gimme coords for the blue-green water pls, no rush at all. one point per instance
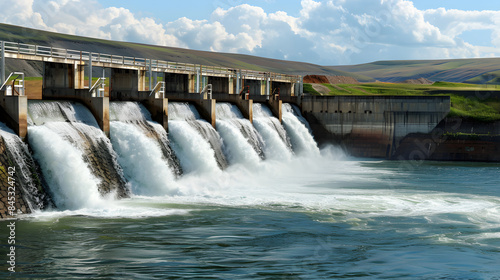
(325, 217)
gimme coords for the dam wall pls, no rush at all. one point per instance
(372, 126)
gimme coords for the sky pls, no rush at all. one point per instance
(324, 32)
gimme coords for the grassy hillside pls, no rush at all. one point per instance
(478, 102)
(237, 61)
(477, 70)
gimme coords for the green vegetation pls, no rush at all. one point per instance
(308, 89)
(481, 110)
(33, 78)
(480, 106)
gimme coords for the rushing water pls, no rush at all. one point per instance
(313, 214)
(142, 146)
(244, 144)
(194, 140)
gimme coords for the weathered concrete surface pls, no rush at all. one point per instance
(124, 81)
(177, 82)
(58, 75)
(15, 112)
(254, 86)
(219, 84)
(372, 126)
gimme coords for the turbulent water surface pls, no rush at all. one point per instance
(311, 214)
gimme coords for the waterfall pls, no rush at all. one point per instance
(299, 131)
(15, 153)
(143, 150)
(194, 140)
(276, 142)
(75, 156)
(242, 141)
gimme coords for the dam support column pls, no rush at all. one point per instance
(206, 107)
(230, 85)
(98, 106)
(275, 105)
(158, 107)
(79, 75)
(246, 108)
(15, 111)
(192, 83)
(2, 63)
(141, 77)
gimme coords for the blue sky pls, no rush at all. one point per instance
(326, 32)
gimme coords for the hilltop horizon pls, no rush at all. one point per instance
(472, 70)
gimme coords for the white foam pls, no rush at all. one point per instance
(142, 161)
(193, 151)
(72, 184)
(297, 128)
(231, 126)
(273, 133)
(238, 150)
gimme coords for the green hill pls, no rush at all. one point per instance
(476, 70)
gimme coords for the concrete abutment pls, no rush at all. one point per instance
(14, 109)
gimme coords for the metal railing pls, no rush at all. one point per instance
(45, 51)
(97, 89)
(159, 90)
(17, 86)
(207, 92)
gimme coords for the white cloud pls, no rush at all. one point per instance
(325, 32)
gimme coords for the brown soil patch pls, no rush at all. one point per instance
(316, 79)
(33, 89)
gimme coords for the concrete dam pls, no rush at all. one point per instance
(85, 142)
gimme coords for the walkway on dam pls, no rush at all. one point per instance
(66, 72)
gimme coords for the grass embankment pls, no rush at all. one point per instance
(467, 100)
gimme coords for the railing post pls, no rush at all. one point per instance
(90, 70)
(150, 74)
(197, 79)
(2, 64)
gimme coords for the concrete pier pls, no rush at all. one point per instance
(14, 109)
